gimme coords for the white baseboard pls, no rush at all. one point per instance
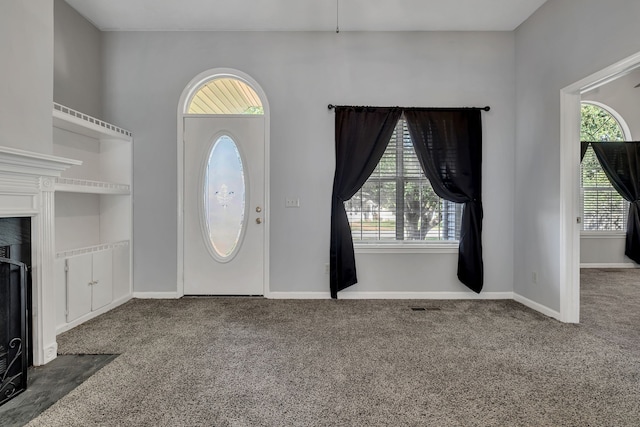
(298, 295)
(50, 352)
(424, 295)
(67, 326)
(391, 295)
(157, 295)
(609, 265)
(536, 306)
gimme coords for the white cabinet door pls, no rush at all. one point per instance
(89, 283)
(102, 279)
(79, 284)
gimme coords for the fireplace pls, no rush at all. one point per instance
(15, 264)
(27, 185)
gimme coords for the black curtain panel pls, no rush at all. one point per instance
(583, 149)
(621, 163)
(362, 135)
(449, 146)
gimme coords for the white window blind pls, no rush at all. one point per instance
(397, 203)
(603, 209)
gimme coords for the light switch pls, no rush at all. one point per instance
(292, 202)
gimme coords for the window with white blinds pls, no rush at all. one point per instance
(603, 209)
(397, 203)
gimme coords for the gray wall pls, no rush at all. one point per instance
(145, 73)
(26, 74)
(77, 76)
(563, 42)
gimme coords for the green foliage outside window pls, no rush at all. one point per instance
(398, 203)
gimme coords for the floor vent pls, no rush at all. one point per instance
(425, 308)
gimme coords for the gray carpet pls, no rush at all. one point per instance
(255, 362)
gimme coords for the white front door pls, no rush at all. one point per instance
(224, 199)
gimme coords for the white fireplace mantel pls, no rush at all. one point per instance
(27, 184)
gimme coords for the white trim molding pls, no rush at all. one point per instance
(157, 295)
(603, 235)
(537, 307)
(394, 295)
(426, 295)
(298, 295)
(406, 248)
(609, 265)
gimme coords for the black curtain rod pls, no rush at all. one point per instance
(487, 108)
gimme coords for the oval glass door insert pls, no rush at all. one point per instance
(224, 198)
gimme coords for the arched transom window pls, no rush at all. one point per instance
(225, 95)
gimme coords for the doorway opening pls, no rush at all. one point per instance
(570, 190)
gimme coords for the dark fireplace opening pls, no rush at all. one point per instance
(15, 305)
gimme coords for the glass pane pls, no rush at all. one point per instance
(224, 196)
(410, 162)
(225, 96)
(592, 174)
(370, 211)
(597, 124)
(603, 209)
(398, 203)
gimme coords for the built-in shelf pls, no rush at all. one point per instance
(93, 219)
(72, 185)
(77, 122)
(92, 249)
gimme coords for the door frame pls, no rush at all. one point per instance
(570, 97)
(183, 106)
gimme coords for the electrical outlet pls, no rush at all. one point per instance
(534, 277)
(327, 269)
(292, 202)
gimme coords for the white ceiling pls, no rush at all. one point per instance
(307, 15)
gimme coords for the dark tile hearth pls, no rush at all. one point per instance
(47, 384)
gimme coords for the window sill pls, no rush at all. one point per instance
(406, 248)
(603, 234)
